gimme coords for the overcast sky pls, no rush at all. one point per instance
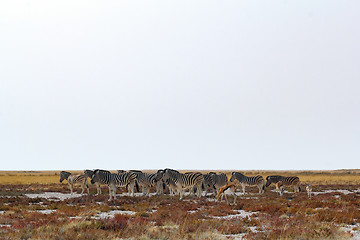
(181, 84)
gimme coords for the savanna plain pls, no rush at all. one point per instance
(34, 205)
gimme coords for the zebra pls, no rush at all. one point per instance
(184, 181)
(172, 186)
(88, 174)
(208, 183)
(114, 180)
(75, 179)
(248, 181)
(147, 180)
(285, 181)
(219, 180)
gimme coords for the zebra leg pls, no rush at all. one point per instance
(132, 189)
(111, 192)
(148, 191)
(199, 191)
(114, 192)
(98, 189)
(71, 188)
(82, 188)
(181, 194)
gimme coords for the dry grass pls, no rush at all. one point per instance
(311, 177)
(165, 217)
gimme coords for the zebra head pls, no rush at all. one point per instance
(237, 176)
(268, 181)
(232, 177)
(271, 179)
(97, 174)
(159, 175)
(64, 175)
(88, 173)
(170, 174)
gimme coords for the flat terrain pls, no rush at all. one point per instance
(34, 205)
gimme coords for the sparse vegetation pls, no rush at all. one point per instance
(268, 216)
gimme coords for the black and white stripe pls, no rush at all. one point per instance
(88, 174)
(148, 180)
(219, 180)
(248, 181)
(293, 181)
(185, 181)
(172, 186)
(75, 179)
(208, 183)
(114, 180)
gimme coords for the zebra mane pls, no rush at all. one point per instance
(135, 171)
(171, 170)
(238, 174)
(212, 173)
(100, 170)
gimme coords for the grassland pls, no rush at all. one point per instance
(332, 213)
(311, 177)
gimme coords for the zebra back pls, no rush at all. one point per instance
(80, 178)
(286, 181)
(187, 180)
(122, 179)
(251, 181)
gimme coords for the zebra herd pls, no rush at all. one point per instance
(176, 182)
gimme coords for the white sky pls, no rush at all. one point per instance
(181, 84)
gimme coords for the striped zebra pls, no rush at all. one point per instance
(148, 180)
(114, 180)
(88, 174)
(185, 181)
(283, 181)
(172, 186)
(208, 183)
(75, 179)
(248, 181)
(219, 180)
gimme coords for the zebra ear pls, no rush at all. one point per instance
(232, 173)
